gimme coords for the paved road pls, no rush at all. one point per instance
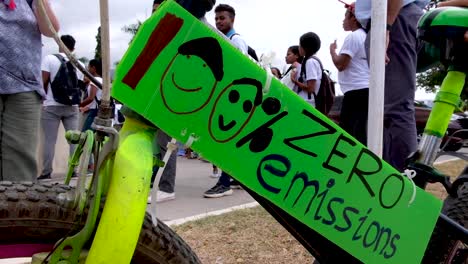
(192, 180)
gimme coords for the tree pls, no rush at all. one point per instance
(132, 29)
(431, 79)
(84, 60)
(97, 54)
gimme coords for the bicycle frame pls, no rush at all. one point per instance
(127, 196)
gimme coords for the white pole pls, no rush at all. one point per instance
(105, 51)
(377, 76)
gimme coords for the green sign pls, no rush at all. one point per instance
(197, 87)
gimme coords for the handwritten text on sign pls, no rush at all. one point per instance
(190, 82)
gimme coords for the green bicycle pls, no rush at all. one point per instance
(58, 223)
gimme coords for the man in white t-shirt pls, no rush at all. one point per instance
(53, 112)
(353, 77)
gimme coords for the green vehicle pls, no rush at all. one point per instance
(104, 220)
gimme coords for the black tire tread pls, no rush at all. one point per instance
(442, 244)
(41, 213)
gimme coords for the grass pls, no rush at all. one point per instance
(253, 236)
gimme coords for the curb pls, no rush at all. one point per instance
(445, 161)
(184, 220)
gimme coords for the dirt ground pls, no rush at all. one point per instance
(253, 236)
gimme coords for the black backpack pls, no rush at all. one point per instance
(65, 84)
(326, 95)
(250, 50)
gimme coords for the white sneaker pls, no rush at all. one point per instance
(164, 196)
(216, 174)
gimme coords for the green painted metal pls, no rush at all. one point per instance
(77, 241)
(445, 16)
(447, 100)
(124, 211)
(74, 161)
(40, 257)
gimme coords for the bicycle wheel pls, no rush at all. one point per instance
(33, 217)
(442, 247)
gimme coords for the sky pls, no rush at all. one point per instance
(267, 26)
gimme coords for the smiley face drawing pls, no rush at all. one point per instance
(234, 108)
(190, 79)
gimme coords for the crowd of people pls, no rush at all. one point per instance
(30, 101)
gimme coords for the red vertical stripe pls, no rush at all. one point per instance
(164, 33)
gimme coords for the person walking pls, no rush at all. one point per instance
(58, 107)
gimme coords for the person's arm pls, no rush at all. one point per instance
(42, 19)
(311, 73)
(393, 9)
(45, 68)
(341, 61)
(91, 95)
(463, 3)
(45, 80)
(308, 87)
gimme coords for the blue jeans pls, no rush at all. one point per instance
(225, 179)
(89, 119)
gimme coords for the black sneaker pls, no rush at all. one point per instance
(44, 177)
(218, 191)
(235, 184)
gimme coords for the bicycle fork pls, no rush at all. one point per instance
(446, 101)
(119, 228)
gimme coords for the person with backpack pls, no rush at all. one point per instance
(89, 106)
(224, 18)
(63, 97)
(309, 72)
(21, 92)
(353, 77)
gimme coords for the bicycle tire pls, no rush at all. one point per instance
(38, 214)
(442, 247)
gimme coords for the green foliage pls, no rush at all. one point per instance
(431, 79)
(97, 54)
(132, 29)
(84, 60)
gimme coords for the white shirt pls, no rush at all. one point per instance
(356, 75)
(312, 72)
(286, 79)
(93, 104)
(51, 64)
(238, 41)
(364, 9)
